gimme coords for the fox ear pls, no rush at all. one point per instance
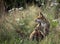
(41, 13)
(40, 16)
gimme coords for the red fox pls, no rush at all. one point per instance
(45, 25)
(42, 28)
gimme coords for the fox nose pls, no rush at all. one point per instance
(38, 20)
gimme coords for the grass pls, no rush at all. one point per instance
(25, 21)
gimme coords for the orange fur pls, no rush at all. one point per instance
(41, 31)
(36, 35)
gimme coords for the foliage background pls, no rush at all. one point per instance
(25, 21)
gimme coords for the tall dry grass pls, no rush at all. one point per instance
(25, 21)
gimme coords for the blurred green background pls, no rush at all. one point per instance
(24, 21)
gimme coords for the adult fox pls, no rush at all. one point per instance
(42, 28)
(45, 25)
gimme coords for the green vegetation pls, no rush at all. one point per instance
(24, 21)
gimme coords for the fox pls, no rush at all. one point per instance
(45, 25)
(42, 28)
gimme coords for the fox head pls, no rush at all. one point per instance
(39, 18)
